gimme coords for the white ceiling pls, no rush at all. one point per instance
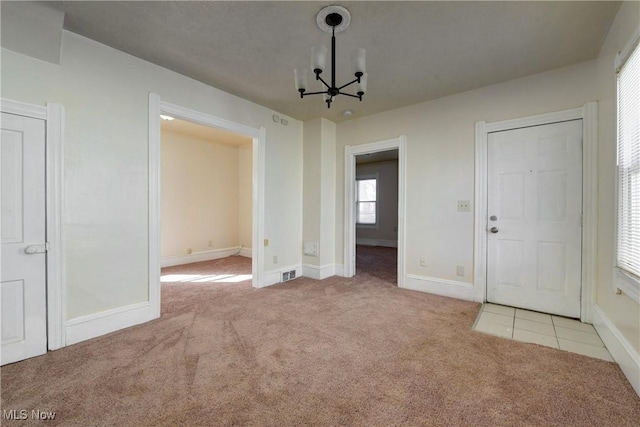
(416, 51)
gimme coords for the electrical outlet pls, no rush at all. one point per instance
(210, 243)
(464, 206)
(275, 259)
(460, 271)
(189, 251)
(423, 262)
(266, 242)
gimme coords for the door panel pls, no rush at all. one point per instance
(11, 186)
(535, 195)
(510, 258)
(23, 280)
(12, 311)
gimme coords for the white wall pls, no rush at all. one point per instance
(440, 159)
(623, 312)
(203, 204)
(312, 200)
(105, 216)
(319, 194)
(385, 233)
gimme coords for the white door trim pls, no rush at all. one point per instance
(157, 106)
(589, 115)
(53, 114)
(350, 154)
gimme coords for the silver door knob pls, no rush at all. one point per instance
(494, 230)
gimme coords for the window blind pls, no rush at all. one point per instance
(628, 230)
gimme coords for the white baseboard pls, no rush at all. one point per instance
(207, 255)
(275, 276)
(376, 242)
(621, 350)
(271, 278)
(318, 272)
(94, 325)
(246, 252)
(339, 270)
(444, 287)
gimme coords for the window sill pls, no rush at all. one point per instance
(628, 284)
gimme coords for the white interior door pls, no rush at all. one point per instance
(535, 218)
(23, 277)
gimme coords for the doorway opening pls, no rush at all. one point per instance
(374, 209)
(376, 217)
(249, 144)
(206, 226)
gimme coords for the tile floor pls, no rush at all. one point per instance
(544, 329)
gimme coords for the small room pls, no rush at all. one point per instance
(377, 214)
(206, 212)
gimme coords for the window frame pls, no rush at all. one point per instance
(366, 177)
(624, 281)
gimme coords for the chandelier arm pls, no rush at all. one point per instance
(348, 94)
(315, 93)
(322, 80)
(350, 83)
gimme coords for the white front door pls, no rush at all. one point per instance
(535, 218)
(23, 277)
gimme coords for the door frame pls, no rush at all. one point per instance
(53, 115)
(589, 116)
(350, 153)
(258, 135)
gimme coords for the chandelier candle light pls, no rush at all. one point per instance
(333, 19)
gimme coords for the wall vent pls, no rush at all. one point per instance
(288, 275)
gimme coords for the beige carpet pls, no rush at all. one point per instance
(334, 352)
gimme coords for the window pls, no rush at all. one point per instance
(628, 221)
(367, 195)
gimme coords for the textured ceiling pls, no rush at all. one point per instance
(416, 51)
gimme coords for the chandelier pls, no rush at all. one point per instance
(333, 19)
